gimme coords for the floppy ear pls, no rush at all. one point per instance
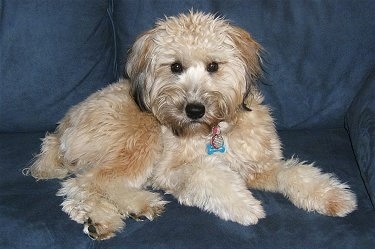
(250, 54)
(138, 68)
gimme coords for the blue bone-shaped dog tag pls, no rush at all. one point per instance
(211, 150)
(216, 142)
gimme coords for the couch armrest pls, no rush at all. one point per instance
(360, 123)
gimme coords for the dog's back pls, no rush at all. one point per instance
(85, 136)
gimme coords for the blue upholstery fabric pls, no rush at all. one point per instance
(34, 218)
(319, 68)
(361, 126)
(53, 54)
(317, 52)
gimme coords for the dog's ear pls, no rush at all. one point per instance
(138, 68)
(250, 55)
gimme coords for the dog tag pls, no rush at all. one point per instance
(216, 142)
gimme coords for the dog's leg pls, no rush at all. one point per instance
(87, 206)
(101, 203)
(307, 187)
(48, 163)
(213, 187)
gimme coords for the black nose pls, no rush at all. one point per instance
(195, 110)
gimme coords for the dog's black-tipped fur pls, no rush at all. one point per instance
(137, 92)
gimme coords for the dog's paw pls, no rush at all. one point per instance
(308, 188)
(246, 213)
(326, 196)
(337, 201)
(103, 221)
(240, 208)
(99, 231)
(150, 211)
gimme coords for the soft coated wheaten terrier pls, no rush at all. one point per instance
(190, 122)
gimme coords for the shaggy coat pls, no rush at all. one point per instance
(189, 76)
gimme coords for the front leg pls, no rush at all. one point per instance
(213, 187)
(307, 187)
(103, 197)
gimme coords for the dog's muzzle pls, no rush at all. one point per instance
(195, 110)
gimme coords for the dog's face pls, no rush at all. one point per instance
(193, 71)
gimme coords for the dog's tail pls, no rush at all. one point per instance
(48, 164)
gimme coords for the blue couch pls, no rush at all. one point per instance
(319, 81)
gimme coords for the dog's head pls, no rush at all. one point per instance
(193, 71)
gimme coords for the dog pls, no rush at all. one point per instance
(189, 121)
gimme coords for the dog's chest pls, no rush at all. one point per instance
(228, 151)
(187, 149)
(249, 145)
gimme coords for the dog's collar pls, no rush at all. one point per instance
(216, 143)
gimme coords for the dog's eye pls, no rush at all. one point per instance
(177, 67)
(212, 67)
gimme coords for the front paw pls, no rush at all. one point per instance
(240, 207)
(308, 188)
(97, 230)
(338, 201)
(327, 196)
(150, 211)
(247, 213)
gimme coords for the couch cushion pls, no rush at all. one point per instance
(317, 52)
(53, 54)
(30, 215)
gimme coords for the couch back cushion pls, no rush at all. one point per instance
(317, 52)
(53, 54)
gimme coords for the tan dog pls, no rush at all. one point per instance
(190, 121)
